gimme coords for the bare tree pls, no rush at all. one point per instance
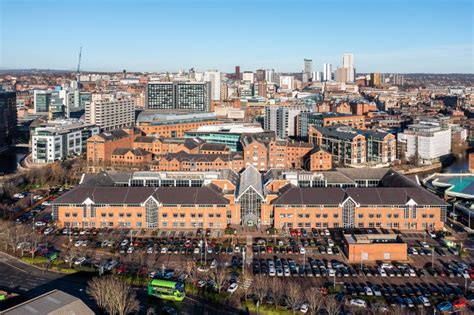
(191, 269)
(294, 296)
(314, 299)
(260, 288)
(245, 289)
(332, 305)
(278, 290)
(219, 277)
(112, 295)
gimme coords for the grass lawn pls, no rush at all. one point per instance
(266, 309)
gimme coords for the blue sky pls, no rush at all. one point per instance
(138, 35)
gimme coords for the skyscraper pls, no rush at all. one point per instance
(327, 72)
(8, 119)
(260, 75)
(308, 70)
(237, 72)
(42, 100)
(348, 64)
(270, 76)
(215, 78)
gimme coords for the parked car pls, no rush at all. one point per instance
(358, 303)
(232, 288)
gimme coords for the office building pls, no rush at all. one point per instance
(283, 120)
(252, 199)
(8, 119)
(215, 78)
(59, 139)
(260, 75)
(287, 82)
(307, 70)
(270, 76)
(342, 75)
(327, 72)
(375, 79)
(56, 107)
(179, 95)
(425, 141)
(173, 123)
(111, 113)
(248, 76)
(42, 101)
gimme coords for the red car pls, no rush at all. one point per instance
(459, 303)
(471, 273)
(293, 232)
(269, 249)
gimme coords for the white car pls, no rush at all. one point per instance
(330, 243)
(304, 308)
(237, 249)
(196, 250)
(302, 251)
(358, 303)
(432, 234)
(40, 223)
(46, 203)
(425, 301)
(326, 232)
(48, 231)
(213, 264)
(124, 243)
(111, 265)
(80, 261)
(201, 284)
(149, 250)
(130, 250)
(368, 291)
(382, 272)
(271, 271)
(424, 244)
(164, 250)
(329, 251)
(232, 288)
(78, 243)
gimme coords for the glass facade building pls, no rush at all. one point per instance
(179, 95)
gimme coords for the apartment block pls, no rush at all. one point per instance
(328, 119)
(179, 95)
(350, 146)
(111, 114)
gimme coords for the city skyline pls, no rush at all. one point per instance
(119, 35)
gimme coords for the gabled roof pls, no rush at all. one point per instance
(113, 135)
(250, 177)
(310, 196)
(134, 151)
(137, 195)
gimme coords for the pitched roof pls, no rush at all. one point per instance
(250, 177)
(310, 196)
(134, 151)
(214, 147)
(365, 196)
(54, 302)
(145, 139)
(136, 195)
(113, 135)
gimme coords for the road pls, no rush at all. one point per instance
(30, 282)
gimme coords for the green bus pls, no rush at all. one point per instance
(166, 289)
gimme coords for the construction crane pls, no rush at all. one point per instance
(79, 67)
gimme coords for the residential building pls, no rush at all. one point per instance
(308, 70)
(194, 96)
(113, 113)
(214, 77)
(59, 139)
(350, 146)
(8, 119)
(327, 72)
(270, 76)
(348, 65)
(328, 119)
(197, 162)
(228, 134)
(375, 79)
(131, 157)
(283, 119)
